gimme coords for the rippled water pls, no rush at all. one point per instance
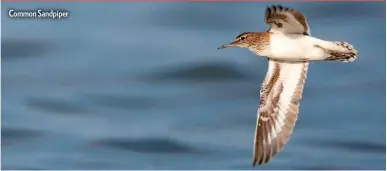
(143, 86)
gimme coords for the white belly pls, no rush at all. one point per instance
(294, 47)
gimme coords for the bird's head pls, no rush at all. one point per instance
(244, 40)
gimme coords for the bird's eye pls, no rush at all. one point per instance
(243, 38)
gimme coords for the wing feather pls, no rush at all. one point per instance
(281, 92)
(286, 20)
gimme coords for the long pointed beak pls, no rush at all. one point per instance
(227, 45)
(223, 46)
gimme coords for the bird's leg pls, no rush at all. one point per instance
(304, 60)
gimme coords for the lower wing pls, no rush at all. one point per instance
(281, 92)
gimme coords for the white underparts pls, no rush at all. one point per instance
(298, 47)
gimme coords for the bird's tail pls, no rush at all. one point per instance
(340, 51)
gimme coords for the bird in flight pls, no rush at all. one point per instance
(289, 47)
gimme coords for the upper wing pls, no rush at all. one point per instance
(286, 20)
(278, 109)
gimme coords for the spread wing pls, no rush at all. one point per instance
(278, 109)
(286, 20)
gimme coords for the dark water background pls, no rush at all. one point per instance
(143, 86)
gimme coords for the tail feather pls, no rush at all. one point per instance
(343, 51)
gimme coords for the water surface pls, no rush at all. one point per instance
(143, 86)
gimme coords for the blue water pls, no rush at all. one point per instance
(143, 86)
